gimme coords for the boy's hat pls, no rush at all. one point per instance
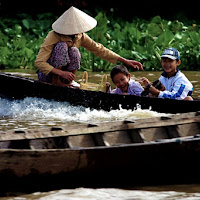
(73, 21)
(171, 53)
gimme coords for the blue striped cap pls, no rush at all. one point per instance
(171, 53)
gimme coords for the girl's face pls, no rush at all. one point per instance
(121, 81)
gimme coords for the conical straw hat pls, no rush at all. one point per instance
(73, 21)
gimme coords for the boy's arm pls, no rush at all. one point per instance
(144, 81)
(180, 91)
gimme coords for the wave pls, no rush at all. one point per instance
(33, 112)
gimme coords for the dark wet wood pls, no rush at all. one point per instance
(163, 150)
(15, 87)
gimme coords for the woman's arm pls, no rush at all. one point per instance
(106, 54)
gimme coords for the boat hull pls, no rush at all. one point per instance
(125, 166)
(163, 150)
(15, 87)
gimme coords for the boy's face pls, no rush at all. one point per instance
(170, 66)
(121, 81)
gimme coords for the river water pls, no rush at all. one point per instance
(39, 113)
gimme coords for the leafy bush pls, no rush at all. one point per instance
(142, 40)
(20, 39)
(145, 41)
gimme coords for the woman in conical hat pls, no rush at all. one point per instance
(59, 54)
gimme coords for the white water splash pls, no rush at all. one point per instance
(109, 193)
(34, 112)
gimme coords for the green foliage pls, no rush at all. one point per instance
(20, 40)
(145, 41)
(141, 40)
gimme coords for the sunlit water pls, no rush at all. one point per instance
(39, 113)
(112, 194)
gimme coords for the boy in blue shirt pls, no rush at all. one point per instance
(176, 85)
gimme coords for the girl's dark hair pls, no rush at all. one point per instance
(118, 69)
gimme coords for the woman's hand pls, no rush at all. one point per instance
(132, 63)
(68, 76)
(64, 74)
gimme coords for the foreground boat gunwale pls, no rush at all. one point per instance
(159, 161)
(153, 143)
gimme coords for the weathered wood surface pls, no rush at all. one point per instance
(103, 134)
(15, 87)
(148, 151)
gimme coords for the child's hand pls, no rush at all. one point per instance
(107, 86)
(144, 81)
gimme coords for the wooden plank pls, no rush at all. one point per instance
(173, 131)
(136, 135)
(101, 128)
(80, 141)
(117, 138)
(189, 129)
(155, 133)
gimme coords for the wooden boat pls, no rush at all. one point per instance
(164, 150)
(16, 87)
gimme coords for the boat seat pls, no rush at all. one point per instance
(5, 144)
(152, 134)
(80, 141)
(49, 143)
(116, 138)
(172, 131)
(189, 129)
(43, 144)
